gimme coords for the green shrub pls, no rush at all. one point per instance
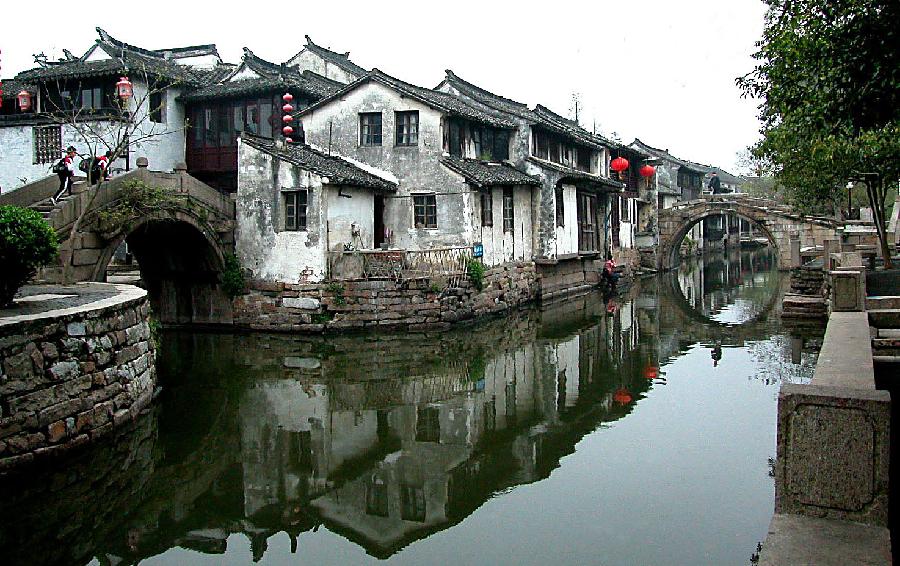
(233, 277)
(475, 271)
(27, 242)
(337, 290)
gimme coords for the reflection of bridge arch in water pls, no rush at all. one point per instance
(707, 329)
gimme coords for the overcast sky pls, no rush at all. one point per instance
(658, 70)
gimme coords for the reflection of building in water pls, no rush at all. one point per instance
(386, 462)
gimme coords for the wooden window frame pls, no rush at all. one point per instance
(370, 132)
(295, 211)
(487, 208)
(406, 124)
(560, 207)
(46, 144)
(425, 211)
(509, 218)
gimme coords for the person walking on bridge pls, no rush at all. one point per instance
(65, 170)
(714, 184)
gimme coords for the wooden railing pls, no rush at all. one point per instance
(449, 263)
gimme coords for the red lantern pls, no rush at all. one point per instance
(622, 396)
(647, 171)
(287, 118)
(289, 140)
(24, 98)
(651, 372)
(619, 164)
(287, 130)
(287, 108)
(287, 97)
(124, 89)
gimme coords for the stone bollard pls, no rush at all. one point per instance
(796, 260)
(142, 162)
(829, 247)
(848, 290)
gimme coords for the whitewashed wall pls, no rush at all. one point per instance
(501, 246)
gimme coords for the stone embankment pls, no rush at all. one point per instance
(386, 304)
(77, 362)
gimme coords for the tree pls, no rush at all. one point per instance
(829, 81)
(27, 242)
(124, 124)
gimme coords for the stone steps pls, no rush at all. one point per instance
(885, 302)
(803, 306)
(885, 318)
(798, 540)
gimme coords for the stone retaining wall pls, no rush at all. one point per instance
(411, 304)
(72, 375)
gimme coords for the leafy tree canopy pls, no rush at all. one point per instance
(828, 74)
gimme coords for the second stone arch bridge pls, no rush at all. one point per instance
(777, 222)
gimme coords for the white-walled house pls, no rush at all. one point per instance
(295, 204)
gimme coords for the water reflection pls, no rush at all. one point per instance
(383, 440)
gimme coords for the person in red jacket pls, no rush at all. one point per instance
(65, 170)
(100, 169)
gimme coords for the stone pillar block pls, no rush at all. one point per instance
(829, 247)
(796, 261)
(848, 290)
(833, 453)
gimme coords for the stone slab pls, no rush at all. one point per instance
(795, 540)
(845, 359)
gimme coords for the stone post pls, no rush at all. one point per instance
(829, 247)
(848, 290)
(796, 260)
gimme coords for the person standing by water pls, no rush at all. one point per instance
(65, 170)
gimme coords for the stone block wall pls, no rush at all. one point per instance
(410, 304)
(71, 378)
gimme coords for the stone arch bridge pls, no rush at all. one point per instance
(180, 239)
(777, 222)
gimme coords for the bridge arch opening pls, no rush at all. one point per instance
(180, 266)
(670, 250)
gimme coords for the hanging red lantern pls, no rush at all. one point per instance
(287, 118)
(647, 171)
(24, 98)
(619, 164)
(622, 396)
(287, 130)
(124, 89)
(287, 97)
(287, 108)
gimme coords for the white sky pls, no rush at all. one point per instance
(659, 70)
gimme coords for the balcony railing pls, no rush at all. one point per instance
(400, 265)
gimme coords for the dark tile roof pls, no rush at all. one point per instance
(339, 171)
(664, 154)
(541, 115)
(342, 60)
(485, 174)
(453, 105)
(191, 51)
(553, 121)
(272, 77)
(575, 174)
(12, 87)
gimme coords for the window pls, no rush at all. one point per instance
(425, 211)
(560, 208)
(626, 210)
(541, 146)
(487, 209)
(428, 425)
(507, 209)
(295, 210)
(412, 503)
(158, 106)
(370, 128)
(407, 127)
(47, 143)
(377, 497)
(584, 160)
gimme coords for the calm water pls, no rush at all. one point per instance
(633, 431)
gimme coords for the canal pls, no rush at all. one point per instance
(633, 430)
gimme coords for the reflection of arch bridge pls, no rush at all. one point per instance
(179, 237)
(776, 221)
(677, 314)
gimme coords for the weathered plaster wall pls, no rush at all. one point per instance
(417, 168)
(501, 246)
(309, 61)
(17, 155)
(261, 244)
(351, 220)
(71, 377)
(164, 146)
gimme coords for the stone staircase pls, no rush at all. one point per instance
(884, 317)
